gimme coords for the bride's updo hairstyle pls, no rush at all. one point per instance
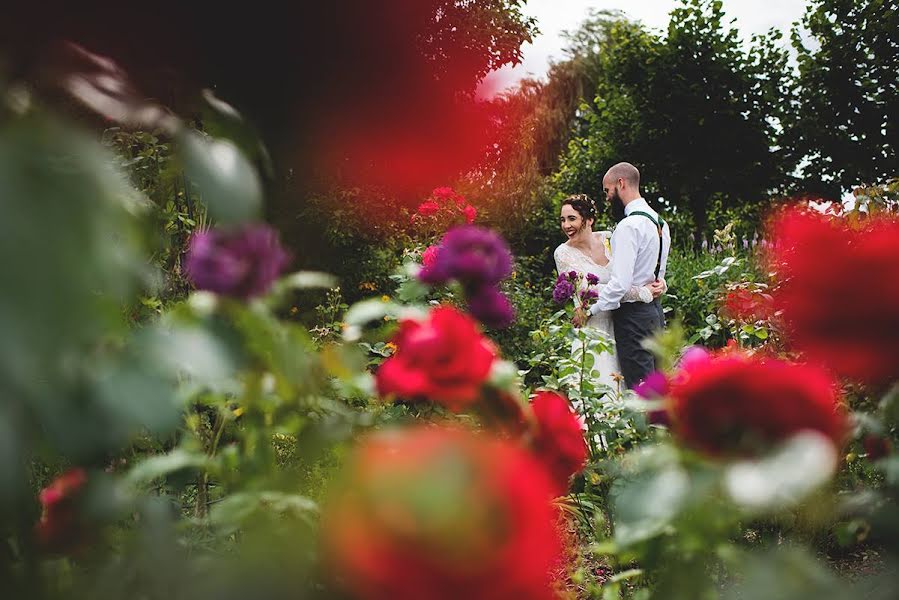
(582, 204)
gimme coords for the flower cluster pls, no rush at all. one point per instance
(570, 285)
(747, 304)
(60, 529)
(435, 512)
(444, 358)
(241, 263)
(446, 207)
(839, 291)
(479, 259)
(565, 287)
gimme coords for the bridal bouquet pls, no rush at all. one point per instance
(571, 285)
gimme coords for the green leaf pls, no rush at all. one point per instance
(165, 464)
(228, 183)
(309, 279)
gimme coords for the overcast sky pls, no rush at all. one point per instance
(556, 16)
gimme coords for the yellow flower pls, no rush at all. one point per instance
(238, 411)
(385, 298)
(391, 346)
(368, 286)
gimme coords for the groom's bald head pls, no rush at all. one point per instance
(625, 171)
(620, 185)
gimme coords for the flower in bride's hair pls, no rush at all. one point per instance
(443, 358)
(839, 291)
(491, 307)
(242, 262)
(559, 440)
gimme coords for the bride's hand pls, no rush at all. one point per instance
(579, 318)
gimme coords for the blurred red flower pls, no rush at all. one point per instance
(60, 529)
(840, 291)
(735, 404)
(444, 358)
(444, 514)
(747, 305)
(428, 208)
(429, 256)
(470, 212)
(447, 194)
(559, 441)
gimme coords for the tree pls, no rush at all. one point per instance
(695, 111)
(846, 99)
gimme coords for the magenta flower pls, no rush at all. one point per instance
(241, 263)
(655, 387)
(491, 307)
(472, 255)
(592, 279)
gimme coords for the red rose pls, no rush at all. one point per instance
(443, 514)
(840, 292)
(559, 441)
(60, 529)
(429, 256)
(470, 212)
(736, 404)
(748, 306)
(428, 208)
(444, 358)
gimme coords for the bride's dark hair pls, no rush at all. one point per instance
(582, 204)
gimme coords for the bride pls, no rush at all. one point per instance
(588, 252)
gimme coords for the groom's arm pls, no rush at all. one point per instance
(624, 246)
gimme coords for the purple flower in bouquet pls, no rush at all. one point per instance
(563, 292)
(592, 279)
(242, 263)
(474, 256)
(587, 295)
(491, 307)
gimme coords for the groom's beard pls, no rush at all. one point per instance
(617, 207)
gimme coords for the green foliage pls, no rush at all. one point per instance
(846, 94)
(663, 103)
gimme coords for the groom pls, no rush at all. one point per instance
(640, 246)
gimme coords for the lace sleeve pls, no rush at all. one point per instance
(636, 293)
(562, 262)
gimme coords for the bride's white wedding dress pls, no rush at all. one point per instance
(569, 258)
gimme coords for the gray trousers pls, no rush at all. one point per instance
(634, 322)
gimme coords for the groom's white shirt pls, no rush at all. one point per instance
(635, 250)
